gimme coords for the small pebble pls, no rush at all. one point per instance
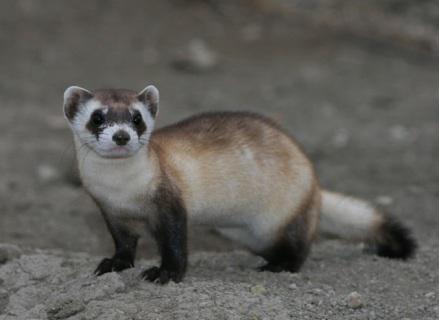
(258, 289)
(196, 58)
(340, 138)
(317, 291)
(293, 286)
(384, 200)
(47, 173)
(354, 300)
(399, 133)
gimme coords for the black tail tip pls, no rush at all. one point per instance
(394, 240)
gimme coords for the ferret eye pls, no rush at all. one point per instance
(97, 118)
(137, 119)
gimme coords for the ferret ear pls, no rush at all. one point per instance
(74, 97)
(150, 98)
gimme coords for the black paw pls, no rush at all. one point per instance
(112, 264)
(162, 275)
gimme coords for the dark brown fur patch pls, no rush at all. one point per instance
(125, 243)
(294, 240)
(147, 99)
(123, 98)
(141, 126)
(394, 240)
(291, 249)
(94, 129)
(116, 98)
(71, 106)
(170, 232)
(118, 115)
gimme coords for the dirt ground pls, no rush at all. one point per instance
(366, 112)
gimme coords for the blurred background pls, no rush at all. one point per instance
(356, 82)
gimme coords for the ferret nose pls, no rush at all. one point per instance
(121, 138)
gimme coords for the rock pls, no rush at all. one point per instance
(293, 286)
(63, 307)
(258, 289)
(384, 200)
(340, 138)
(354, 300)
(8, 252)
(317, 291)
(47, 173)
(196, 58)
(399, 133)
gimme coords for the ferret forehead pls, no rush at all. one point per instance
(116, 98)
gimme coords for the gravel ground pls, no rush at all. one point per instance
(58, 285)
(367, 114)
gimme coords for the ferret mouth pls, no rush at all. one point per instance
(118, 152)
(119, 149)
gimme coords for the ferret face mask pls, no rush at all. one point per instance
(113, 123)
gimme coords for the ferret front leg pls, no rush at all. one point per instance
(170, 232)
(125, 244)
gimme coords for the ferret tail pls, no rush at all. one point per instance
(357, 220)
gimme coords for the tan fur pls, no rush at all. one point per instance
(239, 169)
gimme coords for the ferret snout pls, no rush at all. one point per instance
(121, 137)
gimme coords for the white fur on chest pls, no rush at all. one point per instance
(119, 185)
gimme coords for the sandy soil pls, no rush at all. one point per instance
(366, 113)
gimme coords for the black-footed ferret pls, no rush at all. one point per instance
(237, 172)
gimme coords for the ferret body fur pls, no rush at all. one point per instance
(237, 172)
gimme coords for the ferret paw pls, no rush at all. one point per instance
(112, 264)
(161, 275)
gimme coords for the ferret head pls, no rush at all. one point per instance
(114, 123)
